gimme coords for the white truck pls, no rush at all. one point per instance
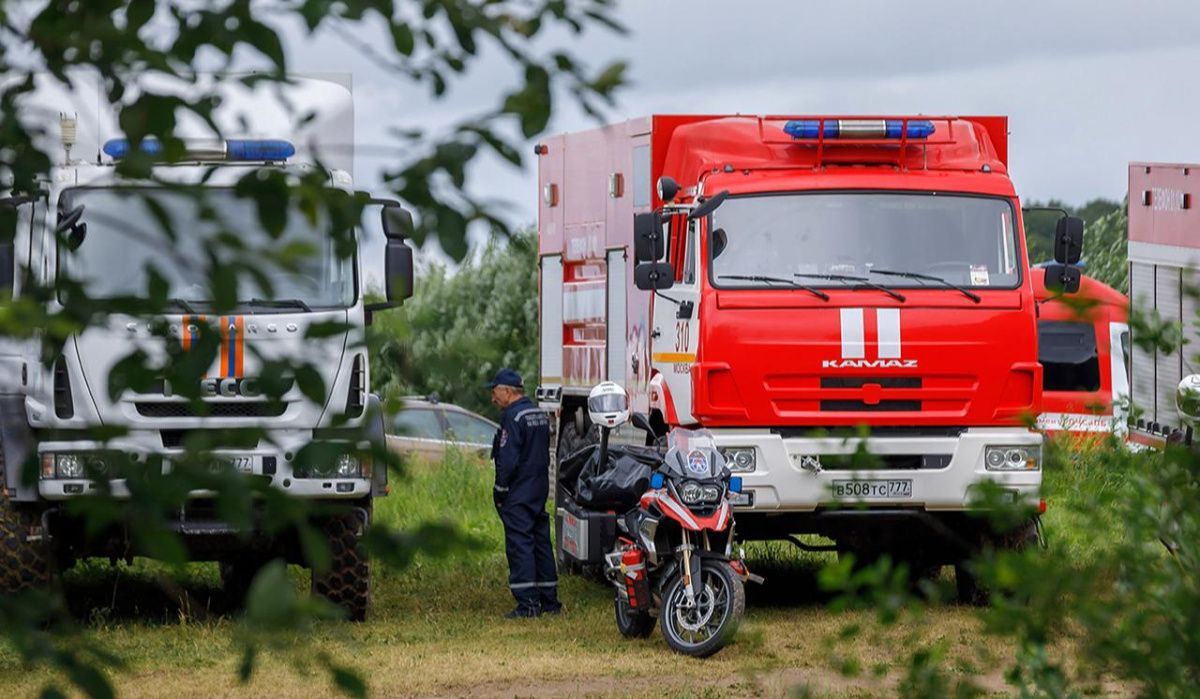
(64, 434)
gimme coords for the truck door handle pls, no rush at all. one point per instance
(656, 333)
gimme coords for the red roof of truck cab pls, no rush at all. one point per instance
(690, 146)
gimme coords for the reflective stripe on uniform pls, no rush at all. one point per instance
(522, 586)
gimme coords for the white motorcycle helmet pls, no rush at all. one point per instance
(608, 405)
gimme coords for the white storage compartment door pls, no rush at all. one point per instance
(616, 326)
(1141, 293)
(1168, 300)
(551, 295)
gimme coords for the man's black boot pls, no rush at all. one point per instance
(523, 612)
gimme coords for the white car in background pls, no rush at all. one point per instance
(426, 428)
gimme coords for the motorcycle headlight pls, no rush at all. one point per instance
(1018, 458)
(711, 493)
(691, 492)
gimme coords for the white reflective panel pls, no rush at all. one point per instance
(616, 335)
(552, 320)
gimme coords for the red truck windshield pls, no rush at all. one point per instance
(968, 241)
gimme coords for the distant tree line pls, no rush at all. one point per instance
(461, 326)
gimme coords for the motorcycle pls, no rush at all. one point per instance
(674, 557)
(674, 561)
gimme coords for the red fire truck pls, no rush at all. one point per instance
(1083, 347)
(844, 302)
(1164, 276)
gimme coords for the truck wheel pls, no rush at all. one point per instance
(236, 576)
(573, 439)
(348, 580)
(24, 565)
(971, 589)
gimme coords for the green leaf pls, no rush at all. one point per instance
(271, 598)
(311, 384)
(402, 38)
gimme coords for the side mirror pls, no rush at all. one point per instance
(397, 221)
(648, 238)
(649, 276)
(710, 205)
(398, 266)
(1063, 278)
(1068, 240)
(640, 421)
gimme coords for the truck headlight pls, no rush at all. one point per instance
(1018, 458)
(348, 466)
(73, 466)
(739, 459)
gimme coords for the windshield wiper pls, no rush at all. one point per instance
(861, 281)
(185, 304)
(760, 278)
(929, 277)
(280, 303)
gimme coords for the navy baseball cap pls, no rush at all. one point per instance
(506, 377)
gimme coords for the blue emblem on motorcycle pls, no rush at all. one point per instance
(698, 463)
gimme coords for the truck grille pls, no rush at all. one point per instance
(859, 406)
(186, 410)
(816, 397)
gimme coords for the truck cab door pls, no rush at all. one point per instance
(676, 323)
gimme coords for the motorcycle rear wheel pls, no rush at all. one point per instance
(633, 623)
(703, 628)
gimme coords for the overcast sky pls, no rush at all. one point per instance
(1088, 86)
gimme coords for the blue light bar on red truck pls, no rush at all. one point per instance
(858, 128)
(232, 150)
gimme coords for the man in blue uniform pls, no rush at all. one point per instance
(521, 450)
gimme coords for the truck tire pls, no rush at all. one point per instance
(970, 588)
(347, 583)
(24, 565)
(236, 576)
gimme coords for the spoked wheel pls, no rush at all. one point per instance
(631, 622)
(702, 626)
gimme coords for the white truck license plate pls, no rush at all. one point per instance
(242, 464)
(873, 490)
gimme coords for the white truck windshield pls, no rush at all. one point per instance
(838, 239)
(125, 238)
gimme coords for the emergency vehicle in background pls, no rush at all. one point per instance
(807, 289)
(1083, 347)
(102, 228)
(1164, 278)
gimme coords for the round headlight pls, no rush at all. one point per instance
(691, 493)
(743, 460)
(995, 458)
(347, 466)
(1016, 457)
(711, 493)
(70, 466)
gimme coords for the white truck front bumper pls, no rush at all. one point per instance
(791, 475)
(268, 460)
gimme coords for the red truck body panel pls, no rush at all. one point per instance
(759, 356)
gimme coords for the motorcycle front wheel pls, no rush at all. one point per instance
(703, 626)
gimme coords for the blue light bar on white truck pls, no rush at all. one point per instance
(858, 128)
(231, 150)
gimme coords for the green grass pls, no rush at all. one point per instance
(435, 627)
